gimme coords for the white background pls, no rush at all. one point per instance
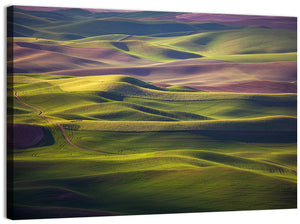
(254, 7)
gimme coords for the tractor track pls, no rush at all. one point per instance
(41, 115)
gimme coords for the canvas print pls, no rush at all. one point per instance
(118, 112)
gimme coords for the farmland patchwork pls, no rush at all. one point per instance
(138, 112)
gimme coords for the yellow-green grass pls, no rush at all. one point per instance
(247, 40)
(182, 89)
(119, 84)
(169, 176)
(137, 148)
(256, 58)
(271, 123)
(22, 79)
(97, 83)
(37, 88)
(289, 158)
(133, 146)
(38, 40)
(111, 37)
(126, 114)
(224, 109)
(70, 170)
(129, 111)
(19, 113)
(197, 165)
(162, 160)
(65, 107)
(245, 45)
(61, 101)
(242, 41)
(49, 95)
(201, 189)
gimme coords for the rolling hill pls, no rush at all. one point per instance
(134, 112)
(150, 136)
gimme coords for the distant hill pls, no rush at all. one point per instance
(67, 24)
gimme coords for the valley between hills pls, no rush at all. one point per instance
(123, 113)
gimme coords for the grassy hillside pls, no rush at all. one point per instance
(121, 127)
(83, 26)
(243, 41)
(250, 45)
(102, 98)
(243, 45)
(106, 114)
(75, 13)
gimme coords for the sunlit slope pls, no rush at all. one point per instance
(144, 49)
(140, 56)
(252, 44)
(244, 45)
(228, 42)
(128, 86)
(162, 59)
(142, 61)
(100, 98)
(174, 40)
(219, 115)
(191, 151)
(263, 124)
(243, 41)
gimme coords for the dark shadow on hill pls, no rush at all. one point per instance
(47, 139)
(251, 136)
(203, 40)
(140, 83)
(111, 95)
(120, 45)
(17, 212)
(190, 137)
(180, 55)
(273, 103)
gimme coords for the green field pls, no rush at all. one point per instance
(96, 125)
(191, 151)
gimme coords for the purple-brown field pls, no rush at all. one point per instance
(26, 136)
(274, 22)
(207, 74)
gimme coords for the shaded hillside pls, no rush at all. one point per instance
(253, 87)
